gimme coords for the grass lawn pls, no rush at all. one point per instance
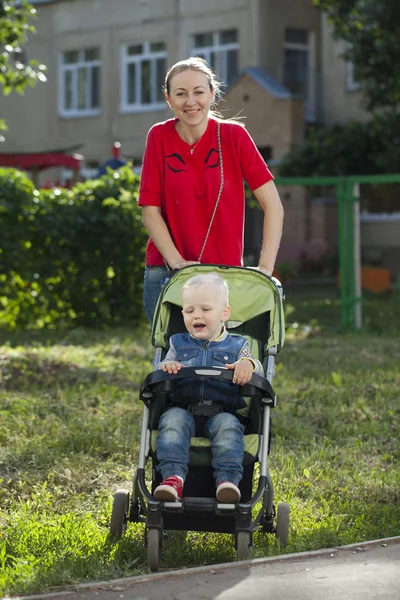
(69, 433)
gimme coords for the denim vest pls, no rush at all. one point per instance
(202, 353)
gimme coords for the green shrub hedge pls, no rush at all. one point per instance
(70, 257)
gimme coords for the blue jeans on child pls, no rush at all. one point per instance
(175, 430)
(154, 280)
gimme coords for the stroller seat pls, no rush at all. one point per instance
(200, 482)
(200, 454)
(257, 314)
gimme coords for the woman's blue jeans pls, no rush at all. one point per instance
(154, 280)
(175, 430)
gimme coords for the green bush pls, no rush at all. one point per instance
(352, 148)
(70, 257)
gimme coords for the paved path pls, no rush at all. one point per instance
(366, 571)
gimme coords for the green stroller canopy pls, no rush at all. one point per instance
(251, 293)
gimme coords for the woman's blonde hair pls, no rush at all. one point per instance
(195, 63)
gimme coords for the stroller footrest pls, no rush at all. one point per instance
(202, 504)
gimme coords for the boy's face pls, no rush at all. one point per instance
(204, 311)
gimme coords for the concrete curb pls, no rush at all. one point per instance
(127, 581)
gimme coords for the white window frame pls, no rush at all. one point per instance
(137, 59)
(351, 84)
(309, 48)
(219, 49)
(73, 67)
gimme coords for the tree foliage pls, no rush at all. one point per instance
(371, 30)
(354, 148)
(15, 25)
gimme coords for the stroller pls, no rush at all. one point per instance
(257, 314)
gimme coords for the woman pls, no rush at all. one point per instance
(191, 189)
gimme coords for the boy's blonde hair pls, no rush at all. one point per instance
(209, 279)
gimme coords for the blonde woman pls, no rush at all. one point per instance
(192, 191)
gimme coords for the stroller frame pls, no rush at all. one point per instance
(203, 513)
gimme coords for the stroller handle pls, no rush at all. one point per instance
(160, 381)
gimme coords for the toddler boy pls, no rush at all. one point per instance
(205, 310)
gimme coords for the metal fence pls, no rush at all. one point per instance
(348, 198)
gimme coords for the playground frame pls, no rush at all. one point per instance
(348, 198)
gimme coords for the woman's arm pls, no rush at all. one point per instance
(150, 202)
(268, 197)
(158, 231)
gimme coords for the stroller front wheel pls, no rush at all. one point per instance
(243, 542)
(119, 515)
(153, 548)
(282, 523)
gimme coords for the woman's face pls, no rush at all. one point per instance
(190, 97)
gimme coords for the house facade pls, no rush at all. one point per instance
(106, 62)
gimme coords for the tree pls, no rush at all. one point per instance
(15, 25)
(353, 148)
(371, 30)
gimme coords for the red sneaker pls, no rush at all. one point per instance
(170, 490)
(228, 493)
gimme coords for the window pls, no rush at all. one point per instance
(80, 82)
(352, 84)
(221, 51)
(299, 68)
(143, 72)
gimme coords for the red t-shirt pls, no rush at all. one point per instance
(186, 187)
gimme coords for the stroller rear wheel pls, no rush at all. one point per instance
(282, 523)
(153, 548)
(243, 542)
(119, 515)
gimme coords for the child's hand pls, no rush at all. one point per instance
(243, 370)
(172, 367)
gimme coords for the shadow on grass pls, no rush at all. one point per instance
(30, 370)
(80, 336)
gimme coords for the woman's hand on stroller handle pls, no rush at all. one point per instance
(265, 270)
(183, 263)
